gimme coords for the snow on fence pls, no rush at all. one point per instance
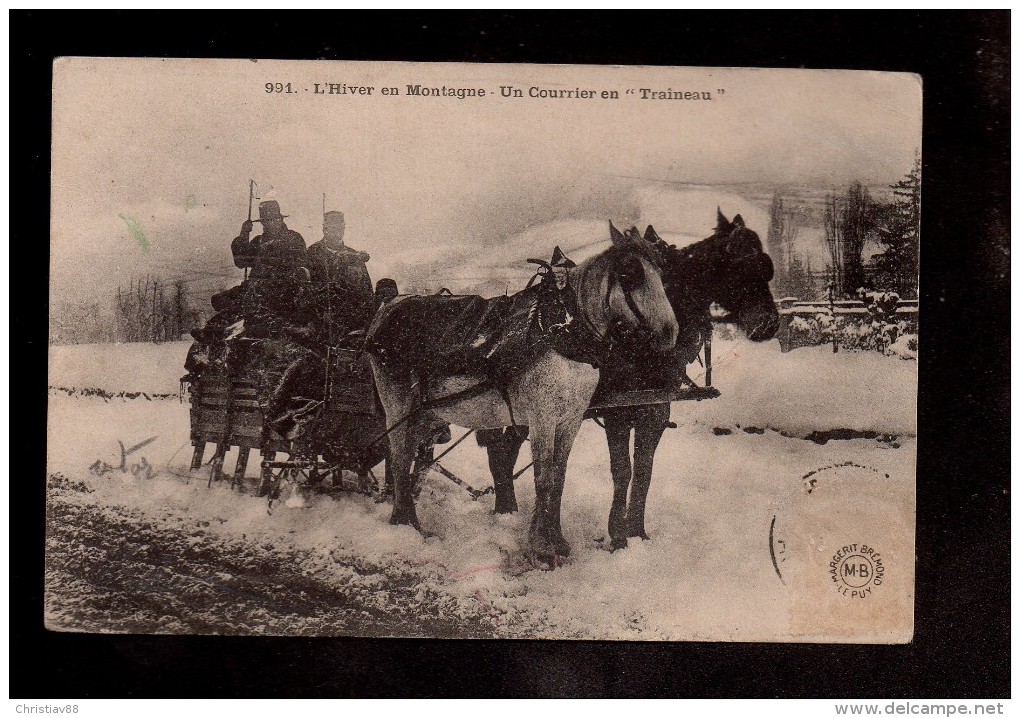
(880, 322)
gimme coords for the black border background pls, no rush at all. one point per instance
(961, 646)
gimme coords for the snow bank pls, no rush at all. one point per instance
(905, 347)
(153, 368)
(808, 389)
(712, 502)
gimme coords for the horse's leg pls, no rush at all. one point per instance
(496, 452)
(513, 439)
(543, 442)
(502, 477)
(402, 447)
(566, 432)
(618, 426)
(399, 399)
(553, 395)
(503, 452)
(647, 432)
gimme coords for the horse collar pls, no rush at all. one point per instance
(576, 338)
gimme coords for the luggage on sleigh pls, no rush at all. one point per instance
(340, 433)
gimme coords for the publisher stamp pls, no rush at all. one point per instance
(857, 570)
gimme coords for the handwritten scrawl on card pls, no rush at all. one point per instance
(140, 469)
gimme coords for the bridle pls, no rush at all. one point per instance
(642, 321)
(606, 338)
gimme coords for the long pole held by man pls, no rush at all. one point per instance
(329, 315)
(329, 296)
(251, 198)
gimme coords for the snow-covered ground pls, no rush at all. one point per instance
(744, 516)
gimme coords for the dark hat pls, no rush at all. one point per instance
(386, 283)
(270, 209)
(332, 218)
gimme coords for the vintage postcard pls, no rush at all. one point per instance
(482, 350)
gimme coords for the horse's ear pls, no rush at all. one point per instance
(559, 259)
(650, 235)
(615, 235)
(738, 221)
(721, 222)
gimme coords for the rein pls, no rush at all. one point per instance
(632, 305)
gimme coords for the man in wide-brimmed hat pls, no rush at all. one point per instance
(278, 252)
(274, 313)
(279, 265)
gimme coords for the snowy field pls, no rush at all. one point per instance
(745, 514)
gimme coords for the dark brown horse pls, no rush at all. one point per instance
(729, 269)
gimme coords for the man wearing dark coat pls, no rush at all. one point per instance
(274, 311)
(342, 285)
(343, 301)
(279, 265)
(277, 252)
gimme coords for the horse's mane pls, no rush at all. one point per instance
(608, 266)
(581, 277)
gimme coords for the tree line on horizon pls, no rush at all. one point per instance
(147, 310)
(851, 220)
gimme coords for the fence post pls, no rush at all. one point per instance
(832, 311)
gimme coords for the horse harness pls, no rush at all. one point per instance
(554, 316)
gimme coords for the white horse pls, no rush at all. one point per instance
(619, 288)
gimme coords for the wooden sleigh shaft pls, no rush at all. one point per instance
(642, 397)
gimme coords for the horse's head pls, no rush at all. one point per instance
(620, 291)
(730, 269)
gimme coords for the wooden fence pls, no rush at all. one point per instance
(790, 309)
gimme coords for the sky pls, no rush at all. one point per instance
(152, 158)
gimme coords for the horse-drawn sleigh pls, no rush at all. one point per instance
(608, 338)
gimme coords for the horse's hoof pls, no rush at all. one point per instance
(617, 543)
(505, 510)
(641, 535)
(400, 518)
(543, 552)
(562, 547)
(545, 562)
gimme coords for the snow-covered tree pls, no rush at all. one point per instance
(899, 234)
(775, 243)
(850, 220)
